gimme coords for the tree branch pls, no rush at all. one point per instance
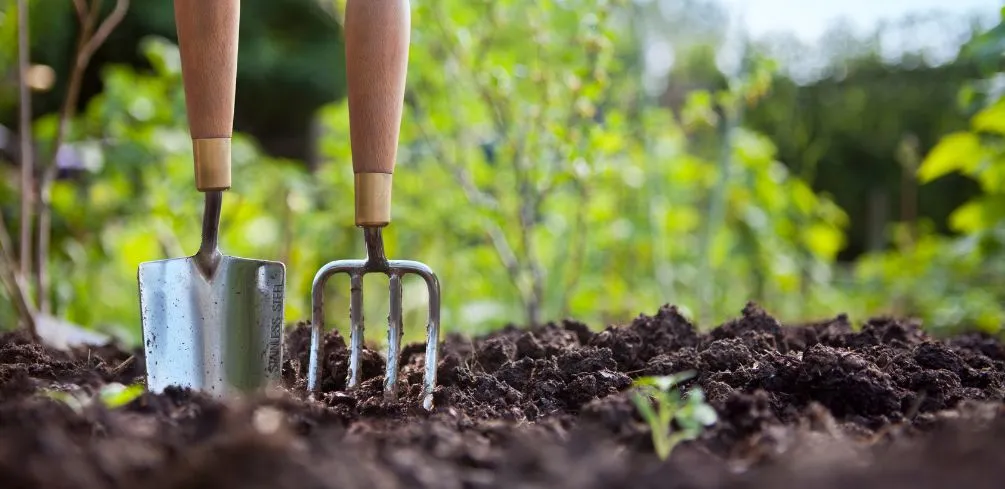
(463, 177)
(476, 197)
(507, 257)
(107, 26)
(578, 252)
(528, 224)
(87, 44)
(530, 202)
(503, 121)
(25, 150)
(81, 8)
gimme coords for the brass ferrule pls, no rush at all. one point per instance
(373, 199)
(212, 164)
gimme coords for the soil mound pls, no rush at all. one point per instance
(823, 404)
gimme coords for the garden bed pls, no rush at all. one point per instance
(818, 406)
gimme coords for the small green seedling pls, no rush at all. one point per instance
(118, 395)
(112, 396)
(692, 414)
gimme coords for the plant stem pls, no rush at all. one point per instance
(578, 252)
(25, 149)
(716, 205)
(14, 282)
(475, 196)
(528, 224)
(12, 277)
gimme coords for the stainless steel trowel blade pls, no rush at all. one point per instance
(220, 334)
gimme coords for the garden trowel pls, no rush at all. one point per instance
(211, 322)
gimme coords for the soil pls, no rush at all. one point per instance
(822, 405)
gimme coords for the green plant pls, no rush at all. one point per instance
(691, 415)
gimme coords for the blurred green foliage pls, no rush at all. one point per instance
(955, 281)
(540, 183)
(536, 176)
(843, 129)
(290, 50)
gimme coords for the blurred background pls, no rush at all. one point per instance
(591, 159)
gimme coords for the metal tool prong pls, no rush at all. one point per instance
(376, 262)
(377, 34)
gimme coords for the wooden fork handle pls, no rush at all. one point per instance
(376, 44)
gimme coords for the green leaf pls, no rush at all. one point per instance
(74, 402)
(664, 382)
(992, 175)
(979, 215)
(968, 218)
(695, 414)
(803, 197)
(959, 151)
(682, 219)
(698, 109)
(991, 119)
(701, 412)
(117, 395)
(643, 403)
(823, 240)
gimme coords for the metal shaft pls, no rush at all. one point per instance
(209, 254)
(376, 261)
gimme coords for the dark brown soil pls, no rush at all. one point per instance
(818, 405)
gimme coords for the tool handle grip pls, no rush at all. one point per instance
(376, 44)
(207, 41)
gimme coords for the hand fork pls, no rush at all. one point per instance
(376, 44)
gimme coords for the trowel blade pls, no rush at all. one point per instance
(220, 334)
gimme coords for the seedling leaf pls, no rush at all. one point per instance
(111, 396)
(74, 402)
(117, 395)
(692, 415)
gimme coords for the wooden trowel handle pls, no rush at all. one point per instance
(376, 47)
(207, 40)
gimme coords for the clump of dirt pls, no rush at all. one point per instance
(816, 405)
(26, 365)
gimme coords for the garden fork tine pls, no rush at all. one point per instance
(376, 43)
